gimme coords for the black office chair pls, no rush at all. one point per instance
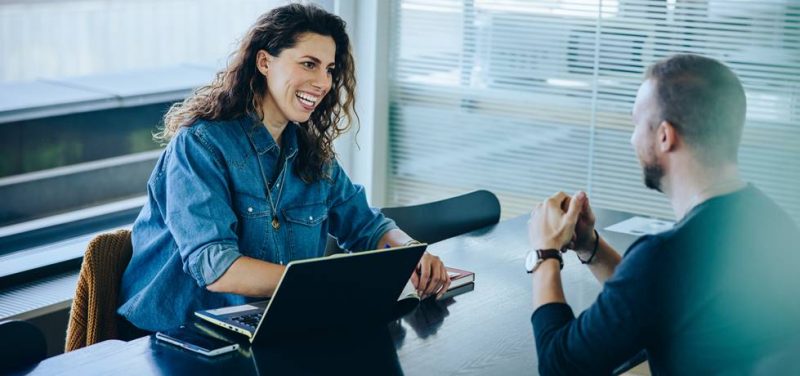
(22, 345)
(439, 220)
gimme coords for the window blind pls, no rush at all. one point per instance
(526, 98)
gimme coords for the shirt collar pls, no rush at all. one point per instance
(263, 141)
(699, 207)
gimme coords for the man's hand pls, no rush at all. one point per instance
(584, 238)
(552, 223)
(430, 277)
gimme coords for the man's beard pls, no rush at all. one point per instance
(653, 172)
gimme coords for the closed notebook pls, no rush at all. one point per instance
(459, 279)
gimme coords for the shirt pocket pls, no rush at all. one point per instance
(306, 229)
(253, 225)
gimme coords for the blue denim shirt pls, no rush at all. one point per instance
(208, 205)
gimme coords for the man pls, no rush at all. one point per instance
(719, 291)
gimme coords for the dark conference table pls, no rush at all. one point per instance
(484, 331)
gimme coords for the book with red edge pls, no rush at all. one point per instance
(461, 281)
(459, 277)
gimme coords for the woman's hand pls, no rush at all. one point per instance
(430, 277)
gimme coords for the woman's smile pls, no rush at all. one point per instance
(307, 100)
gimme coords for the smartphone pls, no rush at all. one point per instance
(193, 341)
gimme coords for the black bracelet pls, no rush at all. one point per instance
(594, 251)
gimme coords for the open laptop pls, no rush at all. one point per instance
(321, 294)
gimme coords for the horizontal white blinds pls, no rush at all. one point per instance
(526, 98)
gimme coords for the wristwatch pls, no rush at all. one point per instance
(536, 257)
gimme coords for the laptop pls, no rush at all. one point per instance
(325, 294)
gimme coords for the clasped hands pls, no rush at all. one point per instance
(562, 222)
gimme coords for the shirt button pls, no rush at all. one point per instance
(249, 210)
(310, 218)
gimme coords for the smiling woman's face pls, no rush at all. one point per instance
(298, 78)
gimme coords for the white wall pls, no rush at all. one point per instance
(365, 155)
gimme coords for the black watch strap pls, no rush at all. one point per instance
(544, 254)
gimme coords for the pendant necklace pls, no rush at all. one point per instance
(273, 204)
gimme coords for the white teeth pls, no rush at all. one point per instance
(307, 98)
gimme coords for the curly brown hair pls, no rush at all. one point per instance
(239, 89)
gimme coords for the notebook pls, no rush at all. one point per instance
(325, 294)
(458, 279)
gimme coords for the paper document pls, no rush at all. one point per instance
(234, 309)
(641, 226)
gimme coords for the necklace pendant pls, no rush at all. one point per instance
(275, 224)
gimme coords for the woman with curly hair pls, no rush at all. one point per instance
(249, 180)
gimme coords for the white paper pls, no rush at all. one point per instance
(234, 309)
(408, 291)
(641, 226)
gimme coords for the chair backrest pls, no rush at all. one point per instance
(439, 220)
(93, 316)
(22, 344)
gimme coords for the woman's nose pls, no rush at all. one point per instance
(322, 80)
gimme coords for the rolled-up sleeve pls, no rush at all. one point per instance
(353, 222)
(210, 262)
(198, 211)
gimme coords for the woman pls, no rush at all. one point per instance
(249, 180)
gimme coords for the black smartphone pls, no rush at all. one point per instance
(193, 341)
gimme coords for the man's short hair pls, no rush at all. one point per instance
(704, 100)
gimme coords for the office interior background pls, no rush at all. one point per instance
(520, 97)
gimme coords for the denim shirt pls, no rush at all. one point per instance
(208, 205)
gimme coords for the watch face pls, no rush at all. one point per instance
(530, 261)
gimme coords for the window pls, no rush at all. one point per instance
(526, 98)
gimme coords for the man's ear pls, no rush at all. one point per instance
(262, 61)
(667, 136)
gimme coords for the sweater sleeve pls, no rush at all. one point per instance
(609, 332)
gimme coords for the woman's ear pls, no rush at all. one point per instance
(262, 62)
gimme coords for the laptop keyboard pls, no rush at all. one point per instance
(249, 320)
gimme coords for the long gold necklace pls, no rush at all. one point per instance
(276, 224)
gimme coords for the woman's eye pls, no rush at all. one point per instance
(308, 64)
(331, 71)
